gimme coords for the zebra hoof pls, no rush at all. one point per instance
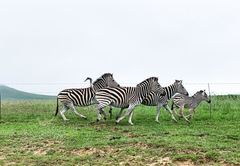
(85, 118)
(66, 119)
(105, 118)
(97, 120)
(116, 122)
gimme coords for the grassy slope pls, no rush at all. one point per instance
(31, 135)
(11, 94)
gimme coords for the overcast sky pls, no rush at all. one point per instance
(65, 41)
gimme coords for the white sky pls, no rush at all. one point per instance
(65, 41)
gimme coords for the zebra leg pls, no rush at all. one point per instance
(65, 108)
(130, 109)
(190, 114)
(119, 114)
(130, 118)
(181, 113)
(71, 106)
(194, 112)
(102, 111)
(170, 112)
(174, 109)
(99, 107)
(158, 111)
(110, 112)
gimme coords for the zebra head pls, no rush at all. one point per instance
(180, 88)
(204, 96)
(107, 80)
(153, 85)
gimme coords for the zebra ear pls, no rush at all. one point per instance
(178, 81)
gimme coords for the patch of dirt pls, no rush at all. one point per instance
(185, 163)
(162, 161)
(88, 151)
(39, 152)
(138, 160)
(2, 156)
(47, 146)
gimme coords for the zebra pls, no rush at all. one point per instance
(155, 99)
(127, 97)
(83, 96)
(182, 101)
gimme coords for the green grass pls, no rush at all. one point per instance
(31, 135)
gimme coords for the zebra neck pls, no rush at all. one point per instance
(170, 91)
(142, 93)
(196, 100)
(99, 85)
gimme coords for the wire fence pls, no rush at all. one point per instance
(54, 88)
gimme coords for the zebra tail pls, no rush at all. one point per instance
(91, 85)
(56, 108)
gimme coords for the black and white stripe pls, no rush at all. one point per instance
(83, 96)
(182, 101)
(126, 97)
(155, 99)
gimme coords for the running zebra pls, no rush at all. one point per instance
(183, 101)
(127, 97)
(155, 99)
(83, 96)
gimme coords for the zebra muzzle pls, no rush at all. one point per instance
(163, 93)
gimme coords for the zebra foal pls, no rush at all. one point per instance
(182, 101)
(83, 96)
(127, 97)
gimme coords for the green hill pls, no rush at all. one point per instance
(11, 94)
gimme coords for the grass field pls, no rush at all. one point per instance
(31, 135)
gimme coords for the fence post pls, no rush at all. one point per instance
(210, 99)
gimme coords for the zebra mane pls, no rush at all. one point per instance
(101, 78)
(147, 80)
(201, 91)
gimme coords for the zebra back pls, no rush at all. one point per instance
(79, 97)
(123, 96)
(118, 96)
(85, 96)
